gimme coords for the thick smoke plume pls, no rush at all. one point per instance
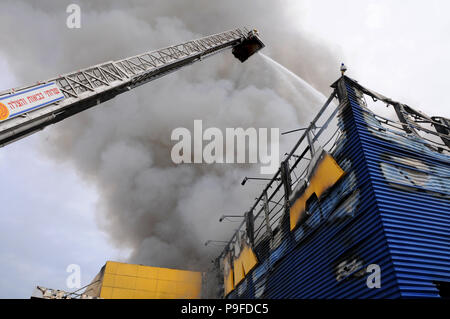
(165, 212)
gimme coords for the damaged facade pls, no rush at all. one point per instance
(375, 192)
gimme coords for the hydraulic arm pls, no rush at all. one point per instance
(28, 109)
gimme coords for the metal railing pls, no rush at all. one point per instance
(272, 204)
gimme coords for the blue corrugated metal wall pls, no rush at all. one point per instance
(412, 188)
(374, 215)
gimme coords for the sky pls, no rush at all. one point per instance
(46, 221)
(397, 48)
(51, 209)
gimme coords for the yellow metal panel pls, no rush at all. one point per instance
(326, 175)
(120, 293)
(244, 263)
(106, 293)
(195, 278)
(195, 292)
(166, 286)
(248, 259)
(147, 272)
(125, 281)
(238, 270)
(299, 207)
(141, 294)
(181, 275)
(111, 267)
(184, 290)
(127, 269)
(108, 280)
(146, 284)
(188, 276)
(164, 295)
(167, 274)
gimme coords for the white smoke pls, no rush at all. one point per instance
(165, 212)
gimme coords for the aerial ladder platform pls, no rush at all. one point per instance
(26, 110)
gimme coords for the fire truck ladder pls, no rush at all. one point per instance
(86, 88)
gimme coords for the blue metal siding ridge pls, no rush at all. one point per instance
(416, 220)
(304, 265)
(391, 209)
